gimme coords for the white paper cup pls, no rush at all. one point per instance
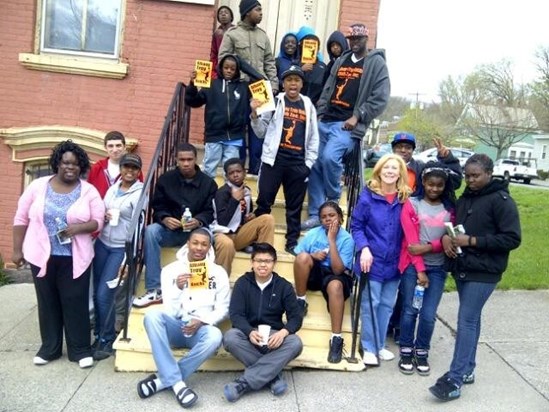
(264, 331)
(115, 216)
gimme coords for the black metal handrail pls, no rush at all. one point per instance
(354, 180)
(174, 132)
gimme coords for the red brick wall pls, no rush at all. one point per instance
(161, 41)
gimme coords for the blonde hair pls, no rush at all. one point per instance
(403, 190)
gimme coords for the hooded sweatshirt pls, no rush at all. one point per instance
(373, 91)
(126, 202)
(226, 105)
(339, 38)
(491, 216)
(207, 299)
(284, 60)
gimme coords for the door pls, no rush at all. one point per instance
(283, 16)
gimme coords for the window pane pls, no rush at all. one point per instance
(101, 26)
(65, 22)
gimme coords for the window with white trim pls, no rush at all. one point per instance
(543, 151)
(84, 27)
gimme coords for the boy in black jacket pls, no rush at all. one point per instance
(260, 298)
(225, 116)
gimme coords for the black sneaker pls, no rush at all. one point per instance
(445, 389)
(233, 391)
(103, 351)
(303, 307)
(336, 349)
(469, 378)
(290, 250)
(406, 363)
(421, 363)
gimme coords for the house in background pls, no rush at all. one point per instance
(75, 69)
(541, 151)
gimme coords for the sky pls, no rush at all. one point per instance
(427, 40)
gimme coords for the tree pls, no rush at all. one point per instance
(492, 107)
(539, 89)
(421, 124)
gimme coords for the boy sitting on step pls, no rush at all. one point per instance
(324, 261)
(289, 151)
(235, 226)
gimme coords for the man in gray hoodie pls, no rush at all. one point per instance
(356, 92)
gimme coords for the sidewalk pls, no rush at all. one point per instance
(513, 358)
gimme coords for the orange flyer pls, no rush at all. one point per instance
(203, 70)
(309, 51)
(262, 91)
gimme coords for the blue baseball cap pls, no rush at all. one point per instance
(403, 137)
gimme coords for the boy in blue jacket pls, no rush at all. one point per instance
(225, 115)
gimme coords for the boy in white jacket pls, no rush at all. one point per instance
(289, 151)
(196, 296)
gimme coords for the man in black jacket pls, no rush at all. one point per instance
(259, 299)
(181, 188)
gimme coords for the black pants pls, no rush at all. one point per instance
(63, 303)
(294, 184)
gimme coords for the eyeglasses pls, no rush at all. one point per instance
(263, 261)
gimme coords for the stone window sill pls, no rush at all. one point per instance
(74, 65)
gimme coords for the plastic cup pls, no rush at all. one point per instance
(115, 217)
(264, 331)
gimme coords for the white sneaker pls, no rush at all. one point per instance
(310, 223)
(151, 297)
(386, 355)
(370, 359)
(37, 360)
(85, 362)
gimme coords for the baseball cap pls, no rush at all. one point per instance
(404, 137)
(357, 30)
(293, 69)
(131, 159)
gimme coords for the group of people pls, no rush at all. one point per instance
(398, 228)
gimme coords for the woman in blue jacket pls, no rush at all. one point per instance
(377, 233)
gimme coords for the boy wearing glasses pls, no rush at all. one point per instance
(261, 297)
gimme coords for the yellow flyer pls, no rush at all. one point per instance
(309, 51)
(262, 91)
(199, 279)
(203, 70)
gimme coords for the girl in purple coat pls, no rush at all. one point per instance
(377, 233)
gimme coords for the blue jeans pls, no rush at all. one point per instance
(384, 296)
(472, 297)
(255, 149)
(324, 180)
(215, 153)
(106, 264)
(427, 313)
(157, 236)
(164, 332)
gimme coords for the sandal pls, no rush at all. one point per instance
(183, 397)
(147, 387)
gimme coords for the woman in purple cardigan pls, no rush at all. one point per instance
(52, 229)
(377, 233)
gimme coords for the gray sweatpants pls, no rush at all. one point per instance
(261, 368)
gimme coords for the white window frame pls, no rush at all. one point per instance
(116, 52)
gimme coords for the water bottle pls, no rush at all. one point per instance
(61, 236)
(187, 216)
(417, 301)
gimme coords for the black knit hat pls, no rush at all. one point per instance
(246, 6)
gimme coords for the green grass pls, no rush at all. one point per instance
(529, 264)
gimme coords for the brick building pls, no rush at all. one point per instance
(119, 76)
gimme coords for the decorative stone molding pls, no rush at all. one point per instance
(35, 143)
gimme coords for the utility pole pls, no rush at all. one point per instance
(417, 107)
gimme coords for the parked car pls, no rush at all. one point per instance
(513, 169)
(373, 154)
(458, 152)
